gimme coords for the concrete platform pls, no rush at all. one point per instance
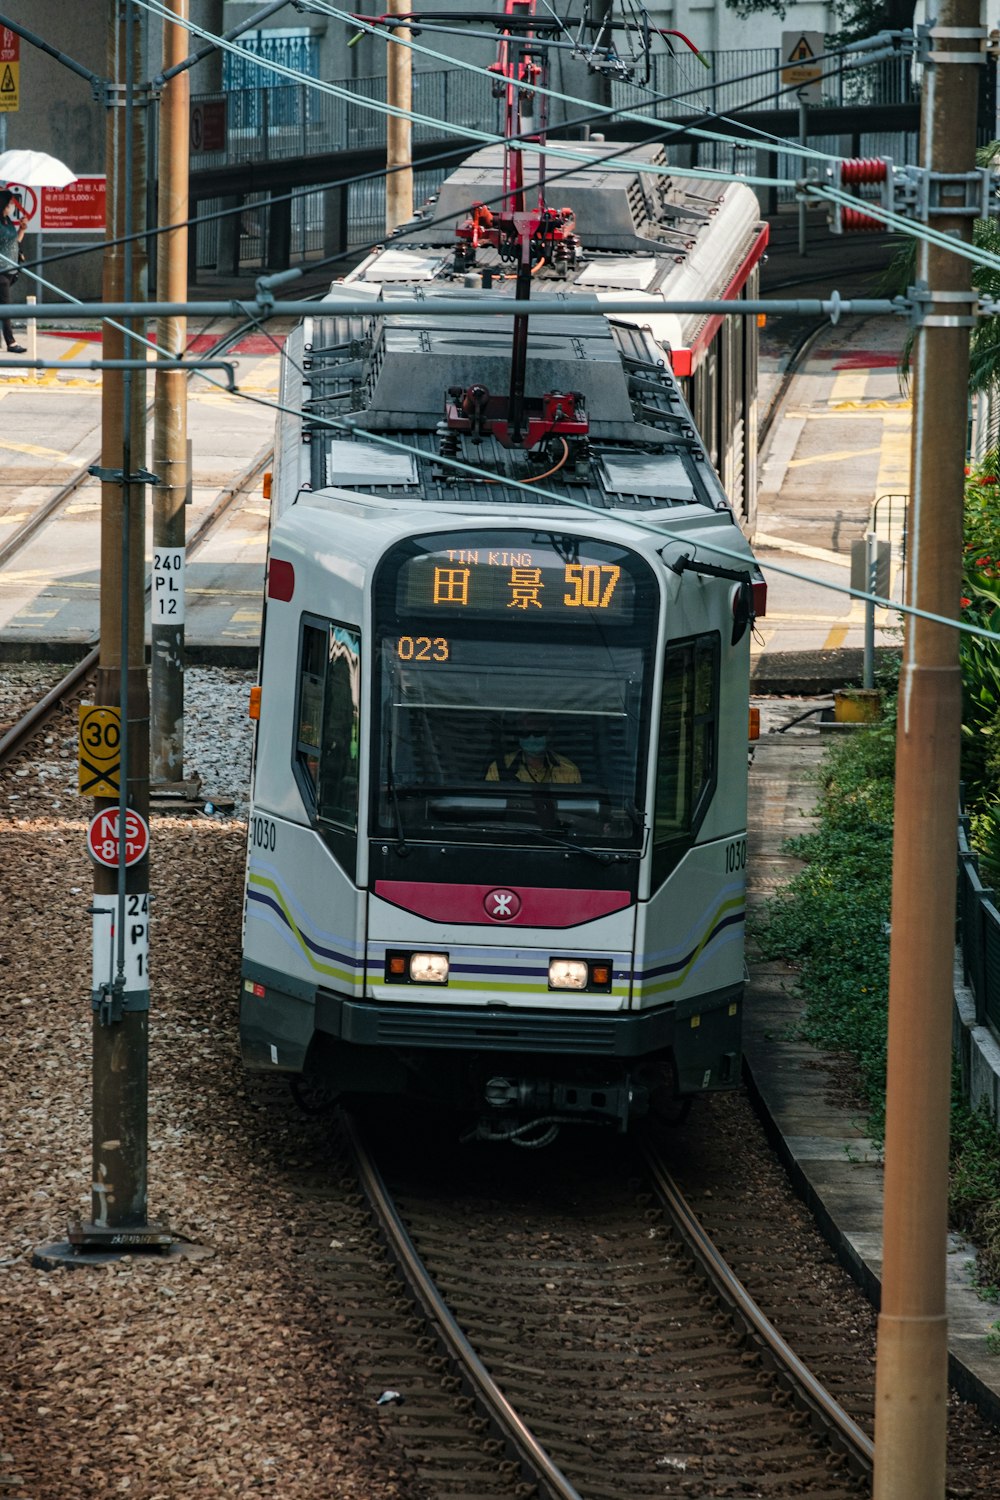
(818, 1134)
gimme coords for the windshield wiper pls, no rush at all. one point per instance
(603, 856)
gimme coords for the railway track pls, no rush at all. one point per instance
(607, 1338)
(51, 509)
(71, 685)
(601, 1334)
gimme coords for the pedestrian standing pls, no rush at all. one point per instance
(11, 235)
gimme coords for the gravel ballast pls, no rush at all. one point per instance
(195, 1378)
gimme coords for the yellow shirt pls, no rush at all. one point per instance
(555, 768)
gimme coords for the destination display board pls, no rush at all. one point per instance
(517, 577)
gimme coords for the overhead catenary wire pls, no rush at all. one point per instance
(151, 6)
(395, 37)
(562, 151)
(665, 132)
(532, 489)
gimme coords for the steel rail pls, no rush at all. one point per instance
(518, 1438)
(46, 511)
(800, 352)
(20, 732)
(846, 1435)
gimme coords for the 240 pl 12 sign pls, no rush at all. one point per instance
(102, 838)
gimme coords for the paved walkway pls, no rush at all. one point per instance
(821, 1140)
(836, 462)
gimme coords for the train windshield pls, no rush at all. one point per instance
(512, 690)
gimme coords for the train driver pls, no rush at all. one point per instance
(533, 760)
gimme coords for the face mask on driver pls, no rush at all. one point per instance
(532, 744)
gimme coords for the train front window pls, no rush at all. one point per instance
(326, 745)
(686, 759)
(513, 709)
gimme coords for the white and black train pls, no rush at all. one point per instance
(497, 851)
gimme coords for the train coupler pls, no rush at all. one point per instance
(567, 1103)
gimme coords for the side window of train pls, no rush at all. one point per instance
(328, 708)
(686, 754)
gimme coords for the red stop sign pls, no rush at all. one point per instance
(102, 837)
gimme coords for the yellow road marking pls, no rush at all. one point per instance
(836, 638)
(875, 406)
(890, 412)
(894, 462)
(223, 593)
(45, 574)
(38, 452)
(848, 385)
(77, 347)
(246, 617)
(833, 457)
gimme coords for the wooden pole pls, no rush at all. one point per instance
(121, 1011)
(399, 132)
(911, 1378)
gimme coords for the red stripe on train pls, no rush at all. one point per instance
(502, 906)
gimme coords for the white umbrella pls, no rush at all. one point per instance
(34, 169)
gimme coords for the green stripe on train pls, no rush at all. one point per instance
(346, 976)
(660, 986)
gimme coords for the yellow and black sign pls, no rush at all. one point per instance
(99, 751)
(10, 86)
(801, 52)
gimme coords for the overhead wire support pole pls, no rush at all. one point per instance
(911, 1377)
(94, 79)
(398, 132)
(170, 441)
(120, 998)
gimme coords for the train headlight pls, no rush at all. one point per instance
(580, 974)
(428, 968)
(568, 974)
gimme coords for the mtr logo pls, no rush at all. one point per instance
(502, 905)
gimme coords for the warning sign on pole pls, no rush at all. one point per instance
(10, 69)
(10, 86)
(77, 209)
(102, 837)
(99, 751)
(800, 51)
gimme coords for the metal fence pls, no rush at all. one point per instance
(979, 933)
(309, 230)
(281, 121)
(751, 79)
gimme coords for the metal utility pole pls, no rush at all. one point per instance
(120, 990)
(911, 1379)
(170, 457)
(398, 132)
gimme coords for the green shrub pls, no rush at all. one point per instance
(832, 922)
(832, 918)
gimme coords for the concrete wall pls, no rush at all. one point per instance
(712, 26)
(976, 1049)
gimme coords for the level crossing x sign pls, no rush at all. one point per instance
(99, 751)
